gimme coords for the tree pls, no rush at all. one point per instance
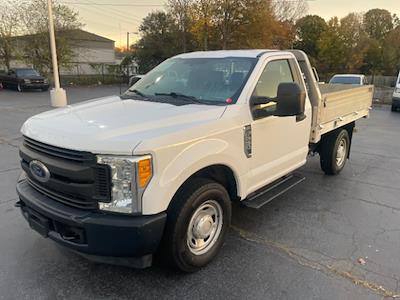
(34, 22)
(10, 15)
(391, 52)
(228, 18)
(378, 23)
(286, 14)
(288, 11)
(309, 30)
(202, 26)
(160, 37)
(355, 40)
(331, 49)
(181, 10)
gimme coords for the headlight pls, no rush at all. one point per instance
(27, 81)
(397, 91)
(46, 80)
(129, 177)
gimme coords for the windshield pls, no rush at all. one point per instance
(26, 72)
(200, 80)
(345, 80)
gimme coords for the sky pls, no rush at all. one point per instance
(114, 18)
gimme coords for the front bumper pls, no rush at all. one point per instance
(117, 239)
(35, 86)
(396, 102)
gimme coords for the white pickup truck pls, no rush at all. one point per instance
(154, 171)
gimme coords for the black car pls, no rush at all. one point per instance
(23, 79)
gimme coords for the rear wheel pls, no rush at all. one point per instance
(394, 108)
(197, 222)
(334, 151)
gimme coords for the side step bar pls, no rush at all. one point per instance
(273, 190)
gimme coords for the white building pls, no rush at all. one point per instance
(93, 54)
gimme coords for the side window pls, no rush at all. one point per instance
(275, 73)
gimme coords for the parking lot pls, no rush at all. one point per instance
(328, 238)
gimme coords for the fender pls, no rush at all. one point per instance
(185, 163)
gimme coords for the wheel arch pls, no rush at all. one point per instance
(220, 173)
(348, 127)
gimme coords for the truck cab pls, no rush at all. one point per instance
(155, 171)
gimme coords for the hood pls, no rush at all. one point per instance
(114, 126)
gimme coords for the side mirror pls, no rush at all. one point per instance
(290, 101)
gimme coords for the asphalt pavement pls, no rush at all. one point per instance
(328, 238)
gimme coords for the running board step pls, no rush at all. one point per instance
(273, 190)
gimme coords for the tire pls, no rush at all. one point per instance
(200, 202)
(19, 88)
(394, 108)
(45, 89)
(334, 151)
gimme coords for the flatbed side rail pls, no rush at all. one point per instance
(340, 107)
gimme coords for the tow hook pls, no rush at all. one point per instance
(19, 204)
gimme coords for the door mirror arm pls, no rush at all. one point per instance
(260, 100)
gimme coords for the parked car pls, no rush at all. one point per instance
(23, 79)
(356, 79)
(396, 95)
(156, 170)
(134, 79)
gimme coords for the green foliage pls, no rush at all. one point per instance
(391, 51)
(357, 43)
(9, 27)
(216, 24)
(378, 23)
(331, 48)
(309, 30)
(160, 40)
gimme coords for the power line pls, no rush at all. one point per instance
(114, 4)
(123, 17)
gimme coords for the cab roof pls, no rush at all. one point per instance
(226, 53)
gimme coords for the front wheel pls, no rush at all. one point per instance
(334, 151)
(394, 108)
(197, 222)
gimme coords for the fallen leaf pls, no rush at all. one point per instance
(361, 261)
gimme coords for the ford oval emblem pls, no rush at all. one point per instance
(39, 171)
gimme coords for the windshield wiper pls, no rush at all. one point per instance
(179, 95)
(138, 93)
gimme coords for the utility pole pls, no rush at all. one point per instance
(128, 48)
(58, 95)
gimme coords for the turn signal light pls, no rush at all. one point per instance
(144, 172)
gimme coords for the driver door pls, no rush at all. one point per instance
(279, 144)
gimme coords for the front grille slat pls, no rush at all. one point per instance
(76, 178)
(63, 199)
(59, 152)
